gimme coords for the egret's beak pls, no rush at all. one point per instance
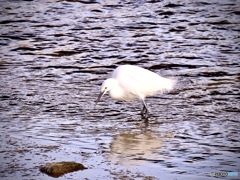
(99, 97)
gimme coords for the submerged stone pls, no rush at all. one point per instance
(57, 169)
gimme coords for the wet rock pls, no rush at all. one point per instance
(57, 169)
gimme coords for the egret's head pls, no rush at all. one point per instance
(107, 86)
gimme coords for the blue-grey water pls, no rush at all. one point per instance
(54, 56)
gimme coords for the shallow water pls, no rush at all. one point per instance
(56, 54)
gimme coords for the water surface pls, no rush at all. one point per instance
(56, 54)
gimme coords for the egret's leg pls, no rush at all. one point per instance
(144, 111)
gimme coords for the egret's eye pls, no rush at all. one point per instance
(105, 88)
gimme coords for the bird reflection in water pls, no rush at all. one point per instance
(131, 149)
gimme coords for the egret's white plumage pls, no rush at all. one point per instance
(130, 82)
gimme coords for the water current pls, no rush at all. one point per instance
(54, 56)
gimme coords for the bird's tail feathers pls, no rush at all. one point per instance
(167, 84)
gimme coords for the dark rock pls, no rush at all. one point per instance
(57, 169)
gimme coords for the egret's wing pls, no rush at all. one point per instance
(140, 81)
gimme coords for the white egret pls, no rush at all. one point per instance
(130, 82)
